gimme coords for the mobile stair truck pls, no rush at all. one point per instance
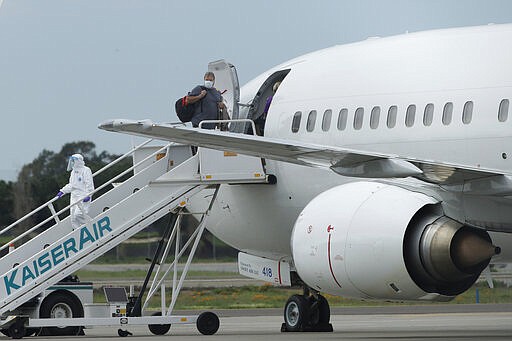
(39, 295)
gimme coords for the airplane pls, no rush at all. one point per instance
(391, 167)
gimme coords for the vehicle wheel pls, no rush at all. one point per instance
(123, 333)
(17, 330)
(159, 329)
(61, 305)
(28, 331)
(296, 313)
(31, 331)
(207, 323)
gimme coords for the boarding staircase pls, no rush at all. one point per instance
(164, 180)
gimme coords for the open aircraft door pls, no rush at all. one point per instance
(226, 81)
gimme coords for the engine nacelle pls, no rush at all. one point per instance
(376, 241)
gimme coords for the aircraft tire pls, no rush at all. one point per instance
(322, 312)
(296, 313)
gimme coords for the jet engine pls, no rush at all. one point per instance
(377, 241)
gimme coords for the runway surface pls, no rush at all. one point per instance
(431, 322)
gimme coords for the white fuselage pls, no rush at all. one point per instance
(446, 70)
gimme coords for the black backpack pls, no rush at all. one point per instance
(183, 110)
(186, 111)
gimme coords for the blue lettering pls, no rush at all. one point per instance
(44, 265)
(104, 225)
(69, 245)
(27, 275)
(95, 229)
(9, 283)
(36, 269)
(57, 256)
(85, 236)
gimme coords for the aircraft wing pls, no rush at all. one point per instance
(343, 161)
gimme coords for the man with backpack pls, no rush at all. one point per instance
(207, 101)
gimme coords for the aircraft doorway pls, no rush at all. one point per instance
(257, 110)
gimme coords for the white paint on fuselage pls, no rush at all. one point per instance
(456, 65)
(436, 67)
(258, 219)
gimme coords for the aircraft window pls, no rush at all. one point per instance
(375, 117)
(296, 121)
(310, 126)
(428, 115)
(410, 115)
(447, 113)
(358, 118)
(326, 121)
(503, 111)
(391, 122)
(342, 119)
(467, 113)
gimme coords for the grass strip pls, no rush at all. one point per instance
(267, 296)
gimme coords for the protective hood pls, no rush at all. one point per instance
(75, 161)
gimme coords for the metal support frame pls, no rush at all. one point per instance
(110, 321)
(175, 238)
(137, 309)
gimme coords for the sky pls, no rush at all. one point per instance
(66, 66)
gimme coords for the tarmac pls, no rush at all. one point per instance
(414, 322)
(429, 322)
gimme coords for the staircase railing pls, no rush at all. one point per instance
(238, 120)
(49, 204)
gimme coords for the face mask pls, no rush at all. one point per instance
(208, 84)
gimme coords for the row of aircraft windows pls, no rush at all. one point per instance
(410, 116)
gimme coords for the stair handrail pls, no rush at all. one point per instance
(49, 203)
(116, 161)
(31, 213)
(80, 200)
(237, 120)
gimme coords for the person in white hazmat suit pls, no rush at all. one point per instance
(80, 185)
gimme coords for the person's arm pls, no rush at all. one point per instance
(67, 188)
(267, 105)
(193, 99)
